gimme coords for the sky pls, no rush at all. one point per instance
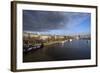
(56, 22)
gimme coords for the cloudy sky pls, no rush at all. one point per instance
(54, 22)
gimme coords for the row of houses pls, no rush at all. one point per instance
(54, 37)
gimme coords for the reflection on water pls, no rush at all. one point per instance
(65, 50)
(73, 50)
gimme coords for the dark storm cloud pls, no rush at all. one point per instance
(43, 20)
